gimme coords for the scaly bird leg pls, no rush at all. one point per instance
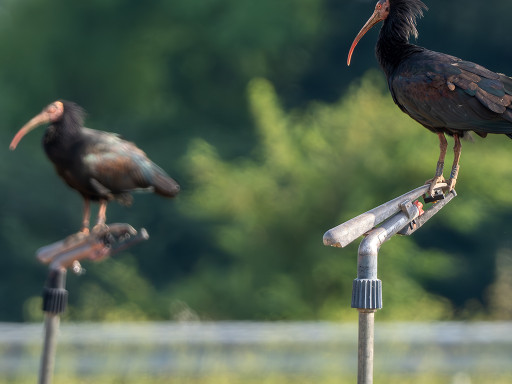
(101, 229)
(86, 216)
(457, 150)
(102, 212)
(102, 216)
(439, 180)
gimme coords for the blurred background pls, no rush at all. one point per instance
(274, 140)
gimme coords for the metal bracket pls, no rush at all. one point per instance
(403, 215)
(417, 223)
(101, 243)
(346, 233)
(436, 196)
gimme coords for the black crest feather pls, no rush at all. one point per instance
(73, 117)
(403, 14)
(398, 27)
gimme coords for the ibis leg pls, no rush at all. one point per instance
(86, 216)
(438, 177)
(457, 150)
(102, 217)
(102, 212)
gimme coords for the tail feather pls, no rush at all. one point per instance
(163, 184)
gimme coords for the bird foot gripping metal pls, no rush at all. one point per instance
(101, 242)
(403, 215)
(399, 212)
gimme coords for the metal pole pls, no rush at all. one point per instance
(367, 299)
(367, 288)
(54, 303)
(365, 346)
(51, 326)
(398, 216)
(346, 233)
(65, 254)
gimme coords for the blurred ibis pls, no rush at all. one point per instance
(101, 166)
(445, 94)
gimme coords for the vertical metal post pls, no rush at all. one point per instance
(66, 254)
(51, 326)
(54, 303)
(367, 288)
(365, 346)
(367, 299)
(378, 225)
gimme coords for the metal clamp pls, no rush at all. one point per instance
(346, 233)
(403, 215)
(102, 242)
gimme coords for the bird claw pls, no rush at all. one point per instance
(100, 229)
(436, 191)
(451, 184)
(437, 183)
(439, 186)
(85, 231)
(75, 237)
(103, 241)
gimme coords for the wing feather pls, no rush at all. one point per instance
(116, 164)
(447, 94)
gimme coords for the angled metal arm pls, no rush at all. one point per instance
(416, 224)
(403, 215)
(99, 244)
(347, 232)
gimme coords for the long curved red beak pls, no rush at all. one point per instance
(374, 19)
(36, 121)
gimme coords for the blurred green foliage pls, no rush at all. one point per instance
(316, 167)
(250, 106)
